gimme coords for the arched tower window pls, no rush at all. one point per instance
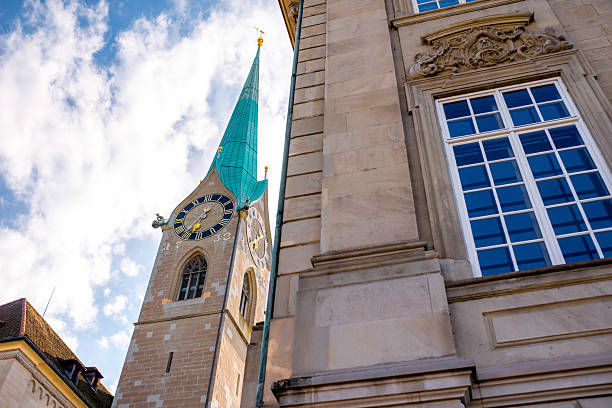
(192, 280)
(245, 296)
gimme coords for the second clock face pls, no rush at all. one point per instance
(204, 217)
(256, 237)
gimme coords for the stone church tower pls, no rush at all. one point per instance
(209, 282)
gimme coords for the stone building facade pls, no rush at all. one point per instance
(446, 241)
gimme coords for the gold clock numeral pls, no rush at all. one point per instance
(228, 211)
(195, 203)
(198, 236)
(180, 230)
(186, 234)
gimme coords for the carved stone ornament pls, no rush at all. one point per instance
(485, 46)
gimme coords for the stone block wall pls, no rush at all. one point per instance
(588, 24)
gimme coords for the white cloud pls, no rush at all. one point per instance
(95, 152)
(116, 306)
(103, 342)
(129, 267)
(121, 339)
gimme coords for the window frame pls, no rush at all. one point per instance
(512, 133)
(415, 5)
(201, 277)
(245, 301)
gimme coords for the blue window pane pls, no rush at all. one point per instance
(576, 160)
(428, 6)
(544, 165)
(474, 177)
(461, 127)
(522, 227)
(535, 142)
(599, 213)
(469, 153)
(505, 172)
(566, 136)
(488, 232)
(513, 198)
(446, 3)
(531, 256)
(487, 123)
(555, 191)
(566, 219)
(494, 261)
(605, 242)
(498, 149)
(454, 110)
(578, 248)
(517, 98)
(484, 104)
(524, 116)
(589, 185)
(480, 203)
(545, 93)
(553, 110)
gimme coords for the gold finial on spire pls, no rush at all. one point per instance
(266, 174)
(261, 34)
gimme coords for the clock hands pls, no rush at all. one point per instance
(197, 224)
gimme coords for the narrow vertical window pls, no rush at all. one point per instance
(530, 184)
(244, 297)
(169, 365)
(192, 279)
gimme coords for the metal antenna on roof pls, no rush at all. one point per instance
(52, 292)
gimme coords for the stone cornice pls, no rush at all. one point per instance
(501, 20)
(381, 383)
(371, 257)
(526, 281)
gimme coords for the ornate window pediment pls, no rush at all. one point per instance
(485, 42)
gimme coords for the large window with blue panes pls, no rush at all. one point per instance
(531, 186)
(427, 5)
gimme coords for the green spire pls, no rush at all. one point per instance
(236, 158)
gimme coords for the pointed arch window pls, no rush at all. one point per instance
(192, 279)
(245, 296)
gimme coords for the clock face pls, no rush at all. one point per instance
(204, 217)
(256, 238)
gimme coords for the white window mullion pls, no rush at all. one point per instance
(546, 229)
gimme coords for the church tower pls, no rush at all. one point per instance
(209, 282)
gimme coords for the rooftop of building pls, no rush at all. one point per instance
(20, 321)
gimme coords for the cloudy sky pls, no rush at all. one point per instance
(110, 111)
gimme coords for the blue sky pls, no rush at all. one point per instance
(110, 112)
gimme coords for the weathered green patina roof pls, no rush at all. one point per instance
(237, 159)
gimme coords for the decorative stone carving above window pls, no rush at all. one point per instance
(462, 48)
